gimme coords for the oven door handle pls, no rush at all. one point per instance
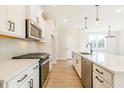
(45, 62)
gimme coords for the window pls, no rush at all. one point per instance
(98, 41)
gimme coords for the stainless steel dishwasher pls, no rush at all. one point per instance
(86, 73)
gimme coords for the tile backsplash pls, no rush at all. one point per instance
(10, 47)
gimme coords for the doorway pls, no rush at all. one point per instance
(69, 47)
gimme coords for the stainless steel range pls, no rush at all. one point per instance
(43, 63)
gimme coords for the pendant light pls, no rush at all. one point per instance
(97, 13)
(109, 35)
(85, 22)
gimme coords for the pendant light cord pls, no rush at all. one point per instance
(85, 22)
(97, 10)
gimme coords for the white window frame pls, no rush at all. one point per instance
(97, 40)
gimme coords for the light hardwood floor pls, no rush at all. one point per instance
(63, 75)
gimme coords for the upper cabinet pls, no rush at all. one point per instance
(12, 21)
(2, 19)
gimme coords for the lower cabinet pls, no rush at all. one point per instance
(76, 61)
(98, 82)
(28, 78)
(35, 79)
(32, 82)
(101, 77)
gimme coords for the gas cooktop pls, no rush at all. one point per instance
(41, 56)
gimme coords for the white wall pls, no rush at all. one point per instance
(61, 42)
(120, 43)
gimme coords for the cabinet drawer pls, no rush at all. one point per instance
(103, 73)
(98, 82)
(22, 77)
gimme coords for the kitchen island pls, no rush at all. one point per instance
(107, 69)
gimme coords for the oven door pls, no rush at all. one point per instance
(44, 72)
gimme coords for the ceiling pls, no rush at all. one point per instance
(72, 17)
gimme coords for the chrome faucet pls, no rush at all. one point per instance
(91, 47)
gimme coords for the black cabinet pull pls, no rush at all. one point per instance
(99, 71)
(99, 79)
(23, 78)
(32, 83)
(10, 26)
(13, 26)
(35, 67)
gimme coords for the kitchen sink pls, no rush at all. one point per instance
(85, 53)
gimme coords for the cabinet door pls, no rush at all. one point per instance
(35, 12)
(79, 65)
(35, 79)
(27, 84)
(16, 20)
(98, 82)
(74, 61)
(2, 18)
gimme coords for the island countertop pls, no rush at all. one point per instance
(113, 63)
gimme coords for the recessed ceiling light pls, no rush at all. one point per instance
(65, 20)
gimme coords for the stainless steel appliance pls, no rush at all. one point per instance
(86, 73)
(43, 63)
(33, 31)
(44, 71)
(1, 84)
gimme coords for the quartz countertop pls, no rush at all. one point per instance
(113, 63)
(12, 67)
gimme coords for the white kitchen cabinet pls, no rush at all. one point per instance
(35, 79)
(26, 84)
(16, 20)
(2, 19)
(28, 78)
(99, 82)
(12, 21)
(35, 12)
(32, 82)
(101, 77)
(77, 63)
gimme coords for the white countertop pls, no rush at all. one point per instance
(113, 63)
(11, 67)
